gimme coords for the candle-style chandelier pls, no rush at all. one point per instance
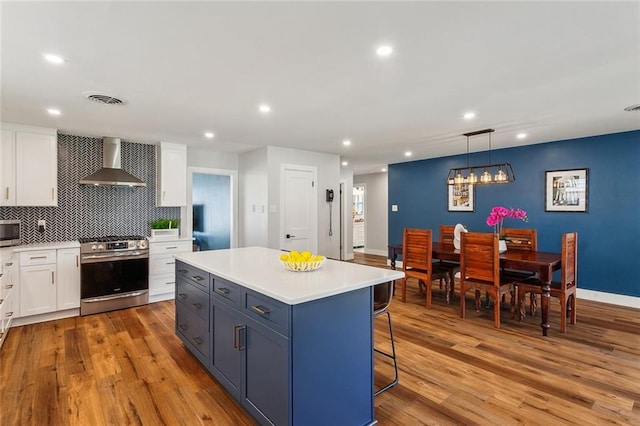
(489, 173)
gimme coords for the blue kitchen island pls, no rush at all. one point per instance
(293, 348)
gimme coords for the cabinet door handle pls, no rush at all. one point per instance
(222, 290)
(261, 310)
(171, 248)
(197, 278)
(237, 344)
(171, 282)
(182, 296)
(52, 194)
(7, 196)
(197, 305)
(183, 327)
(198, 340)
(182, 271)
(163, 195)
(10, 314)
(1, 300)
(8, 286)
(10, 264)
(52, 278)
(37, 257)
(77, 261)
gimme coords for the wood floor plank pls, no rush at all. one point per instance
(128, 367)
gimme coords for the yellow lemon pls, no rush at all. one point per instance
(306, 255)
(284, 257)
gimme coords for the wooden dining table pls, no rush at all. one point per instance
(543, 263)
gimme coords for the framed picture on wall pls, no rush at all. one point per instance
(566, 190)
(460, 198)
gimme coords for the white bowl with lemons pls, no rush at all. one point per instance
(301, 262)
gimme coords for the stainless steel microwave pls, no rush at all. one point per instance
(9, 233)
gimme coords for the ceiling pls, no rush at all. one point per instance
(553, 70)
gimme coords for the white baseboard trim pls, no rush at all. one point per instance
(49, 316)
(614, 299)
(376, 252)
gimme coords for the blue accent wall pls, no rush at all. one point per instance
(608, 234)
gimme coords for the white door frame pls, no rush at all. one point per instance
(314, 206)
(188, 215)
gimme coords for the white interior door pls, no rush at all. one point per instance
(299, 209)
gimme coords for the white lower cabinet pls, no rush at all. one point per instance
(49, 280)
(8, 290)
(68, 265)
(162, 279)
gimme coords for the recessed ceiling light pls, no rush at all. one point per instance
(469, 115)
(346, 142)
(54, 111)
(408, 154)
(54, 59)
(521, 135)
(384, 50)
(264, 108)
(209, 135)
(383, 169)
(345, 163)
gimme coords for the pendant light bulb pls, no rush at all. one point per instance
(472, 178)
(501, 176)
(486, 177)
(458, 179)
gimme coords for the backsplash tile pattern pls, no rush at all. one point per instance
(85, 211)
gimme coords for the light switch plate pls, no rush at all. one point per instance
(394, 207)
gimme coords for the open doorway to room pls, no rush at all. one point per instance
(359, 213)
(213, 211)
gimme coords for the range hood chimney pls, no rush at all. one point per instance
(111, 174)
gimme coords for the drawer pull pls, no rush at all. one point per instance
(10, 314)
(170, 263)
(183, 327)
(197, 305)
(171, 282)
(182, 296)
(198, 340)
(8, 286)
(9, 264)
(182, 271)
(222, 290)
(261, 310)
(1, 300)
(197, 278)
(171, 248)
(37, 257)
(237, 344)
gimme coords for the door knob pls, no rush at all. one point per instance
(290, 236)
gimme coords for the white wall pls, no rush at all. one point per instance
(197, 157)
(346, 177)
(254, 201)
(376, 212)
(328, 166)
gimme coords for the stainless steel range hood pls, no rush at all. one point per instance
(111, 174)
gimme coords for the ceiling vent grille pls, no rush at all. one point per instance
(633, 108)
(103, 98)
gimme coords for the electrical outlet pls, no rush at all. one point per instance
(42, 225)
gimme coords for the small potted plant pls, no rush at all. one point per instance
(165, 228)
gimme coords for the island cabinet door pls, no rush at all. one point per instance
(227, 328)
(266, 390)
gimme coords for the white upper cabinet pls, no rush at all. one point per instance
(29, 159)
(171, 175)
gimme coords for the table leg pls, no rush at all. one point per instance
(545, 302)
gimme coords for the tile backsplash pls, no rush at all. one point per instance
(86, 211)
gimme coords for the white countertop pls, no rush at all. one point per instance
(46, 246)
(261, 270)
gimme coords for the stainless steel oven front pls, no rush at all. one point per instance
(9, 233)
(113, 278)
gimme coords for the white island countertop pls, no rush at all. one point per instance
(260, 269)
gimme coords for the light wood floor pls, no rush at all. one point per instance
(128, 367)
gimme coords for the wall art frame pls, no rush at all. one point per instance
(460, 198)
(567, 190)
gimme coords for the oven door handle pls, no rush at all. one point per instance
(119, 256)
(118, 296)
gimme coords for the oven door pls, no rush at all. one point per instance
(115, 282)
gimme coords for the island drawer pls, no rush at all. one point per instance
(267, 311)
(193, 299)
(231, 292)
(194, 331)
(193, 275)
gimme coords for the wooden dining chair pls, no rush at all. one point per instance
(480, 271)
(564, 290)
(446, 237)
(417, 262)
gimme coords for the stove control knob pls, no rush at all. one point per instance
(100, 247)
(142, 244)
(94, 247)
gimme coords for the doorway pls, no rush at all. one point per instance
(299, 201)
(359, 213)
(212, 208)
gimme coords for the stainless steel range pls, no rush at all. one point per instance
(114, 273)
